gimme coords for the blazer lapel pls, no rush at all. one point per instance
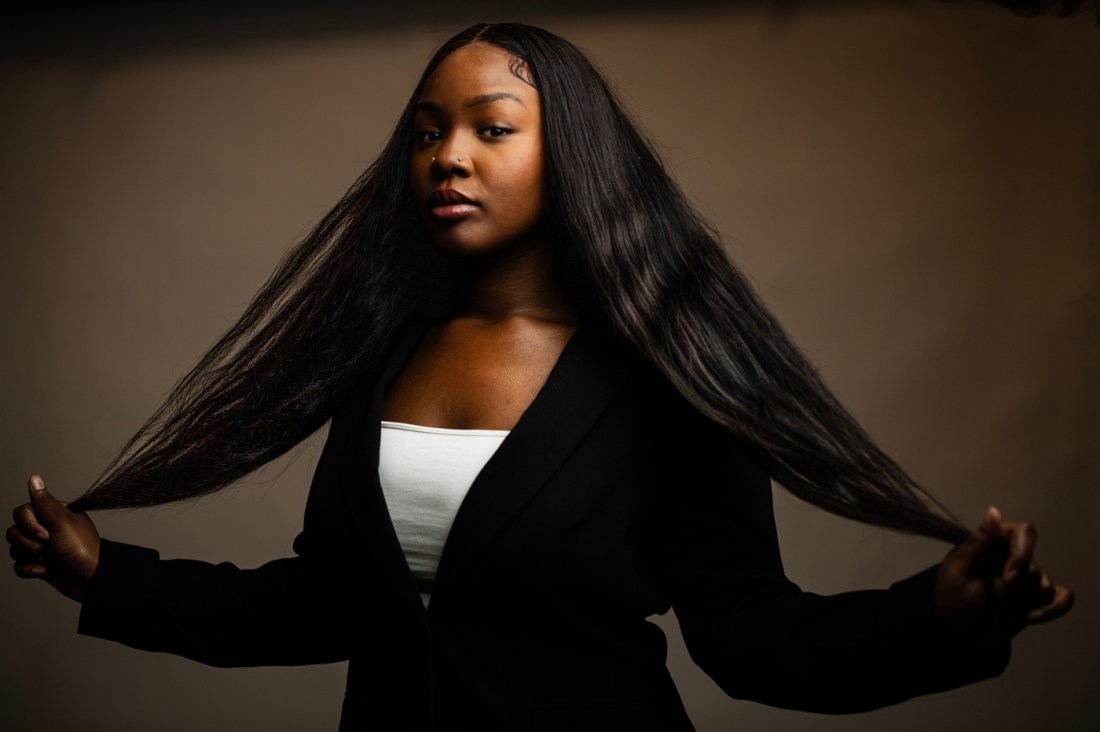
(577, 390)
(362, 490)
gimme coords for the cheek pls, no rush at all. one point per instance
(416, 178)
(529, 178)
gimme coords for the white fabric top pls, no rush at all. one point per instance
(425, 473)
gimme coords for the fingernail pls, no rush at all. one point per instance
(36, 483)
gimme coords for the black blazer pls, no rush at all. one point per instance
(609, 502)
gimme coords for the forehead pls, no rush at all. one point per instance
(474, 70)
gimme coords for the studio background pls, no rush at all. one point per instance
(912, 186)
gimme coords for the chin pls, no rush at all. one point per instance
(466, 244)
(459, 248)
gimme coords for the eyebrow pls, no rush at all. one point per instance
(495, 97)
(475, 101)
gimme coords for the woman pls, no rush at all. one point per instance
(555, 410)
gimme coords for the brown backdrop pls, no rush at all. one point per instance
(912, 186)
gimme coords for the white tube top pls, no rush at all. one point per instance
(425, 473)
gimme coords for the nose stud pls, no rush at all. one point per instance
(460, 158)
(433, 160)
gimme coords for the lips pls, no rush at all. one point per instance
(450, 205)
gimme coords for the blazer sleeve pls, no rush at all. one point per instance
(282, 613)
(762, 638)
(291, 611)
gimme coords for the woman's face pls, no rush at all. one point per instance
(476, 171)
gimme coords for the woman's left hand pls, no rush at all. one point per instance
(990, 587)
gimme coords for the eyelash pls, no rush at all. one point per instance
(427, 137)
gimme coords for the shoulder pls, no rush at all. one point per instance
(690, 444)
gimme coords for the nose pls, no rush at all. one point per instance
(449, 161)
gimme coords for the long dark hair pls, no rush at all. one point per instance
(651, 269)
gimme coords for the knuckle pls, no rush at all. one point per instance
(14, 536)
(22, 553)
(24, 515)
(26, 571)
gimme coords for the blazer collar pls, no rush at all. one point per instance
(577, 390)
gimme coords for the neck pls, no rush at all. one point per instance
(518, 281)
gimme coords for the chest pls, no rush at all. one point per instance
(472, 380)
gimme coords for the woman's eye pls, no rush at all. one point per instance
(426, 137)
(496, 131)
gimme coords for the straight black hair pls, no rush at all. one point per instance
(646, 264)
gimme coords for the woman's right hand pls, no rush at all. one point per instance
(50, 542)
